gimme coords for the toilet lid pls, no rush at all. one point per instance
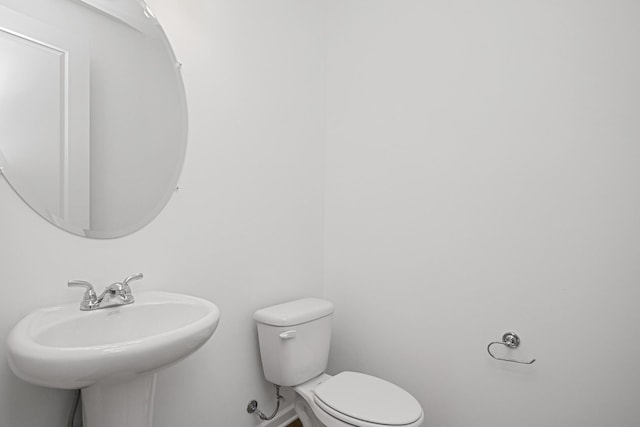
(352, 395)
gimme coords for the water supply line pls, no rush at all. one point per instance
(253, 406)
(74, 409)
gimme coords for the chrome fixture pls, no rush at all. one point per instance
(253, 407)
(511, 340)
(118, 293)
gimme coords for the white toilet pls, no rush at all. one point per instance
(294, 345)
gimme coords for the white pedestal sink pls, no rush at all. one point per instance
(112, 354)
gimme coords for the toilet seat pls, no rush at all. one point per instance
(366, 401)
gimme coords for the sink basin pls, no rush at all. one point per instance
(104, 350)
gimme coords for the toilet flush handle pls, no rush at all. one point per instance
(287, 335)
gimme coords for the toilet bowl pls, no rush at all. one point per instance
(354, 399)
(294, 347)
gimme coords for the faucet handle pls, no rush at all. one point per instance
(89, 294)
(131, 278)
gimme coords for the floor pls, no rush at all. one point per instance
(296, 423)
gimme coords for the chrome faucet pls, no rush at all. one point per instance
(118, 293)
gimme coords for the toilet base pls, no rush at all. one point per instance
(305, 414)
(308, 411)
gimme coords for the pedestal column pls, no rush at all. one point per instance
(127, 403)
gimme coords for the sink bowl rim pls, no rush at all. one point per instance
(22, 334)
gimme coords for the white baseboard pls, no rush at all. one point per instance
(286, 416)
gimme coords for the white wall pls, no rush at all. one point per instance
(483, 172)
(244, 231)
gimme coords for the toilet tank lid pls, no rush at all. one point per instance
(294, 312)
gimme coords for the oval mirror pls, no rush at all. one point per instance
(93, 117)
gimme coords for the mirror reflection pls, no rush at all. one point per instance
(93, 116)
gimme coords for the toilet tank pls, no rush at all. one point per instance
(294, 338)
